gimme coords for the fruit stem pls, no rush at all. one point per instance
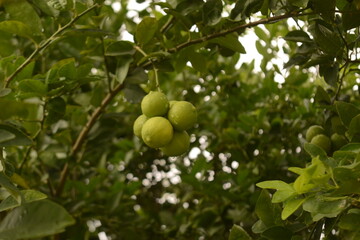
(157, 85)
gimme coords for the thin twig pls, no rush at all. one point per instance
(45, 44)
(106, 63)
(341, 80)
(83, 134)
(167, 24)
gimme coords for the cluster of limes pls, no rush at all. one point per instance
(163, 124)
(316, 135)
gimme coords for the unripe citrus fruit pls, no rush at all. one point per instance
(154, 104)
(178, 145)
(182, 115)
(157, 132)
(313, 131)
(322, 141)
(172, 102)
(138, 124)
(338, 141)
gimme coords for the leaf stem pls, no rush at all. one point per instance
(341, 80)
(45, 44)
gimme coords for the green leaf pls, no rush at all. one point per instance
(146, 30)
(10, 187)
(297, 59)
(24, 12)
(35, 220)
(21, 139)
(211, 12)
(153, 56)
(10, 108)
(16, 27)
(134, 93)
(198, 61)
(5, 91)
(346, 111)
(326, 38)
(351, 147)
(350, 221)
(68, 70)
(252, 6)
(238, 233)
(282, 195)
(351, 16)
(29, 196)
(231, 42)
(322, 97)
(56, 108)
(347, 172)
(296, 170)
(136, 76)
(33, 86)
(326, 8)
(275, 184)
(290, 206)
(354, 129)
(188, 6)
(298, 36)
(122, 69)
(235, 13)
(119, 48)
(6, 136)
(259, 227)
(315, 151)
(299, 3)
(268, 212)
(319, 208)
(330, 73)
(45, 7)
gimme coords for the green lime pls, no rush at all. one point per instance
(157, 132)
(322, 141)
(172, 102)
(154, 104)
(338, 141)
(178, 145)
(313, 131)
(138, 124)
(182, 115)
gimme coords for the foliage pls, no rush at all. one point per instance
(72, 76)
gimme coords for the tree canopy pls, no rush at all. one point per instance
(74, 72)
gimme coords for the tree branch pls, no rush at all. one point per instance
(45, 44)
(84, 132)
(234, 29)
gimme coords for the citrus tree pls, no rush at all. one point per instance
(271, 151)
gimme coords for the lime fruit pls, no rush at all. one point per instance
(154, 104)
(172, 102)
(178, 145)
(138, 124)
(322, 141)
(313, 131)
(157, 132)
(338, 141)
(182, 115)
